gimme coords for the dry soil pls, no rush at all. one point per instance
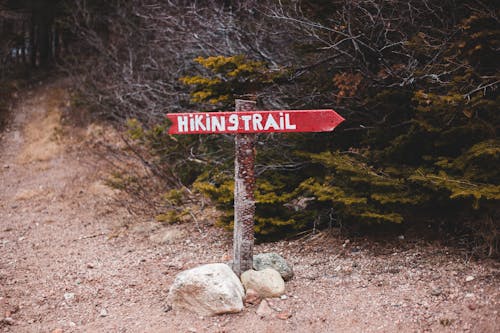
(71, 260)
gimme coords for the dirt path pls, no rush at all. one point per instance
(72, 261)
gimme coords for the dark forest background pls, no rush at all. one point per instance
(417, 82)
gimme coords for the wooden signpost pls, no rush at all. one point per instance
(244, 123)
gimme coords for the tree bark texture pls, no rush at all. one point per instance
(244, 200)
(44, 47)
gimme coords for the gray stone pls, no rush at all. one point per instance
(469, 278)
(264, 310)
(8, 321)
(273, 260)
(207, 290)
(436, 291)
(69, 296)
(103, 312)
(267, 282)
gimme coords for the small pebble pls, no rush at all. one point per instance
(284, 315)
(436, 292)
(264, 309)
(355, 249)
(103, 312)
(8, 321)
(472, 306)
(469, 278)
(252, 297)
(69, 296)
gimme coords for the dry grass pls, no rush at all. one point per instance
(43, 130)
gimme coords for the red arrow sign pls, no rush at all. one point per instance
(254, 121)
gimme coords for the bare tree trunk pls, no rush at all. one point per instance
(244, 201)
(33, 41)
(23, 48)
(44, 40)
(56, 42)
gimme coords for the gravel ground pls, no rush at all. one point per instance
(71, 260)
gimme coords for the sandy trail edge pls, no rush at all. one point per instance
(67, 263)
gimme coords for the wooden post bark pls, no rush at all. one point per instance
(244, 200)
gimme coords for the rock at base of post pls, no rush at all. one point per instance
(273, 260)
(266, 283)
(207, 290)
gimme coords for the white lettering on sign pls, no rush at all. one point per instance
(246, 122)
(271, 123)
(220, 123)
(198, 123)
(182, 124)
(287, 123)
(233, 120)
(257, 122)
